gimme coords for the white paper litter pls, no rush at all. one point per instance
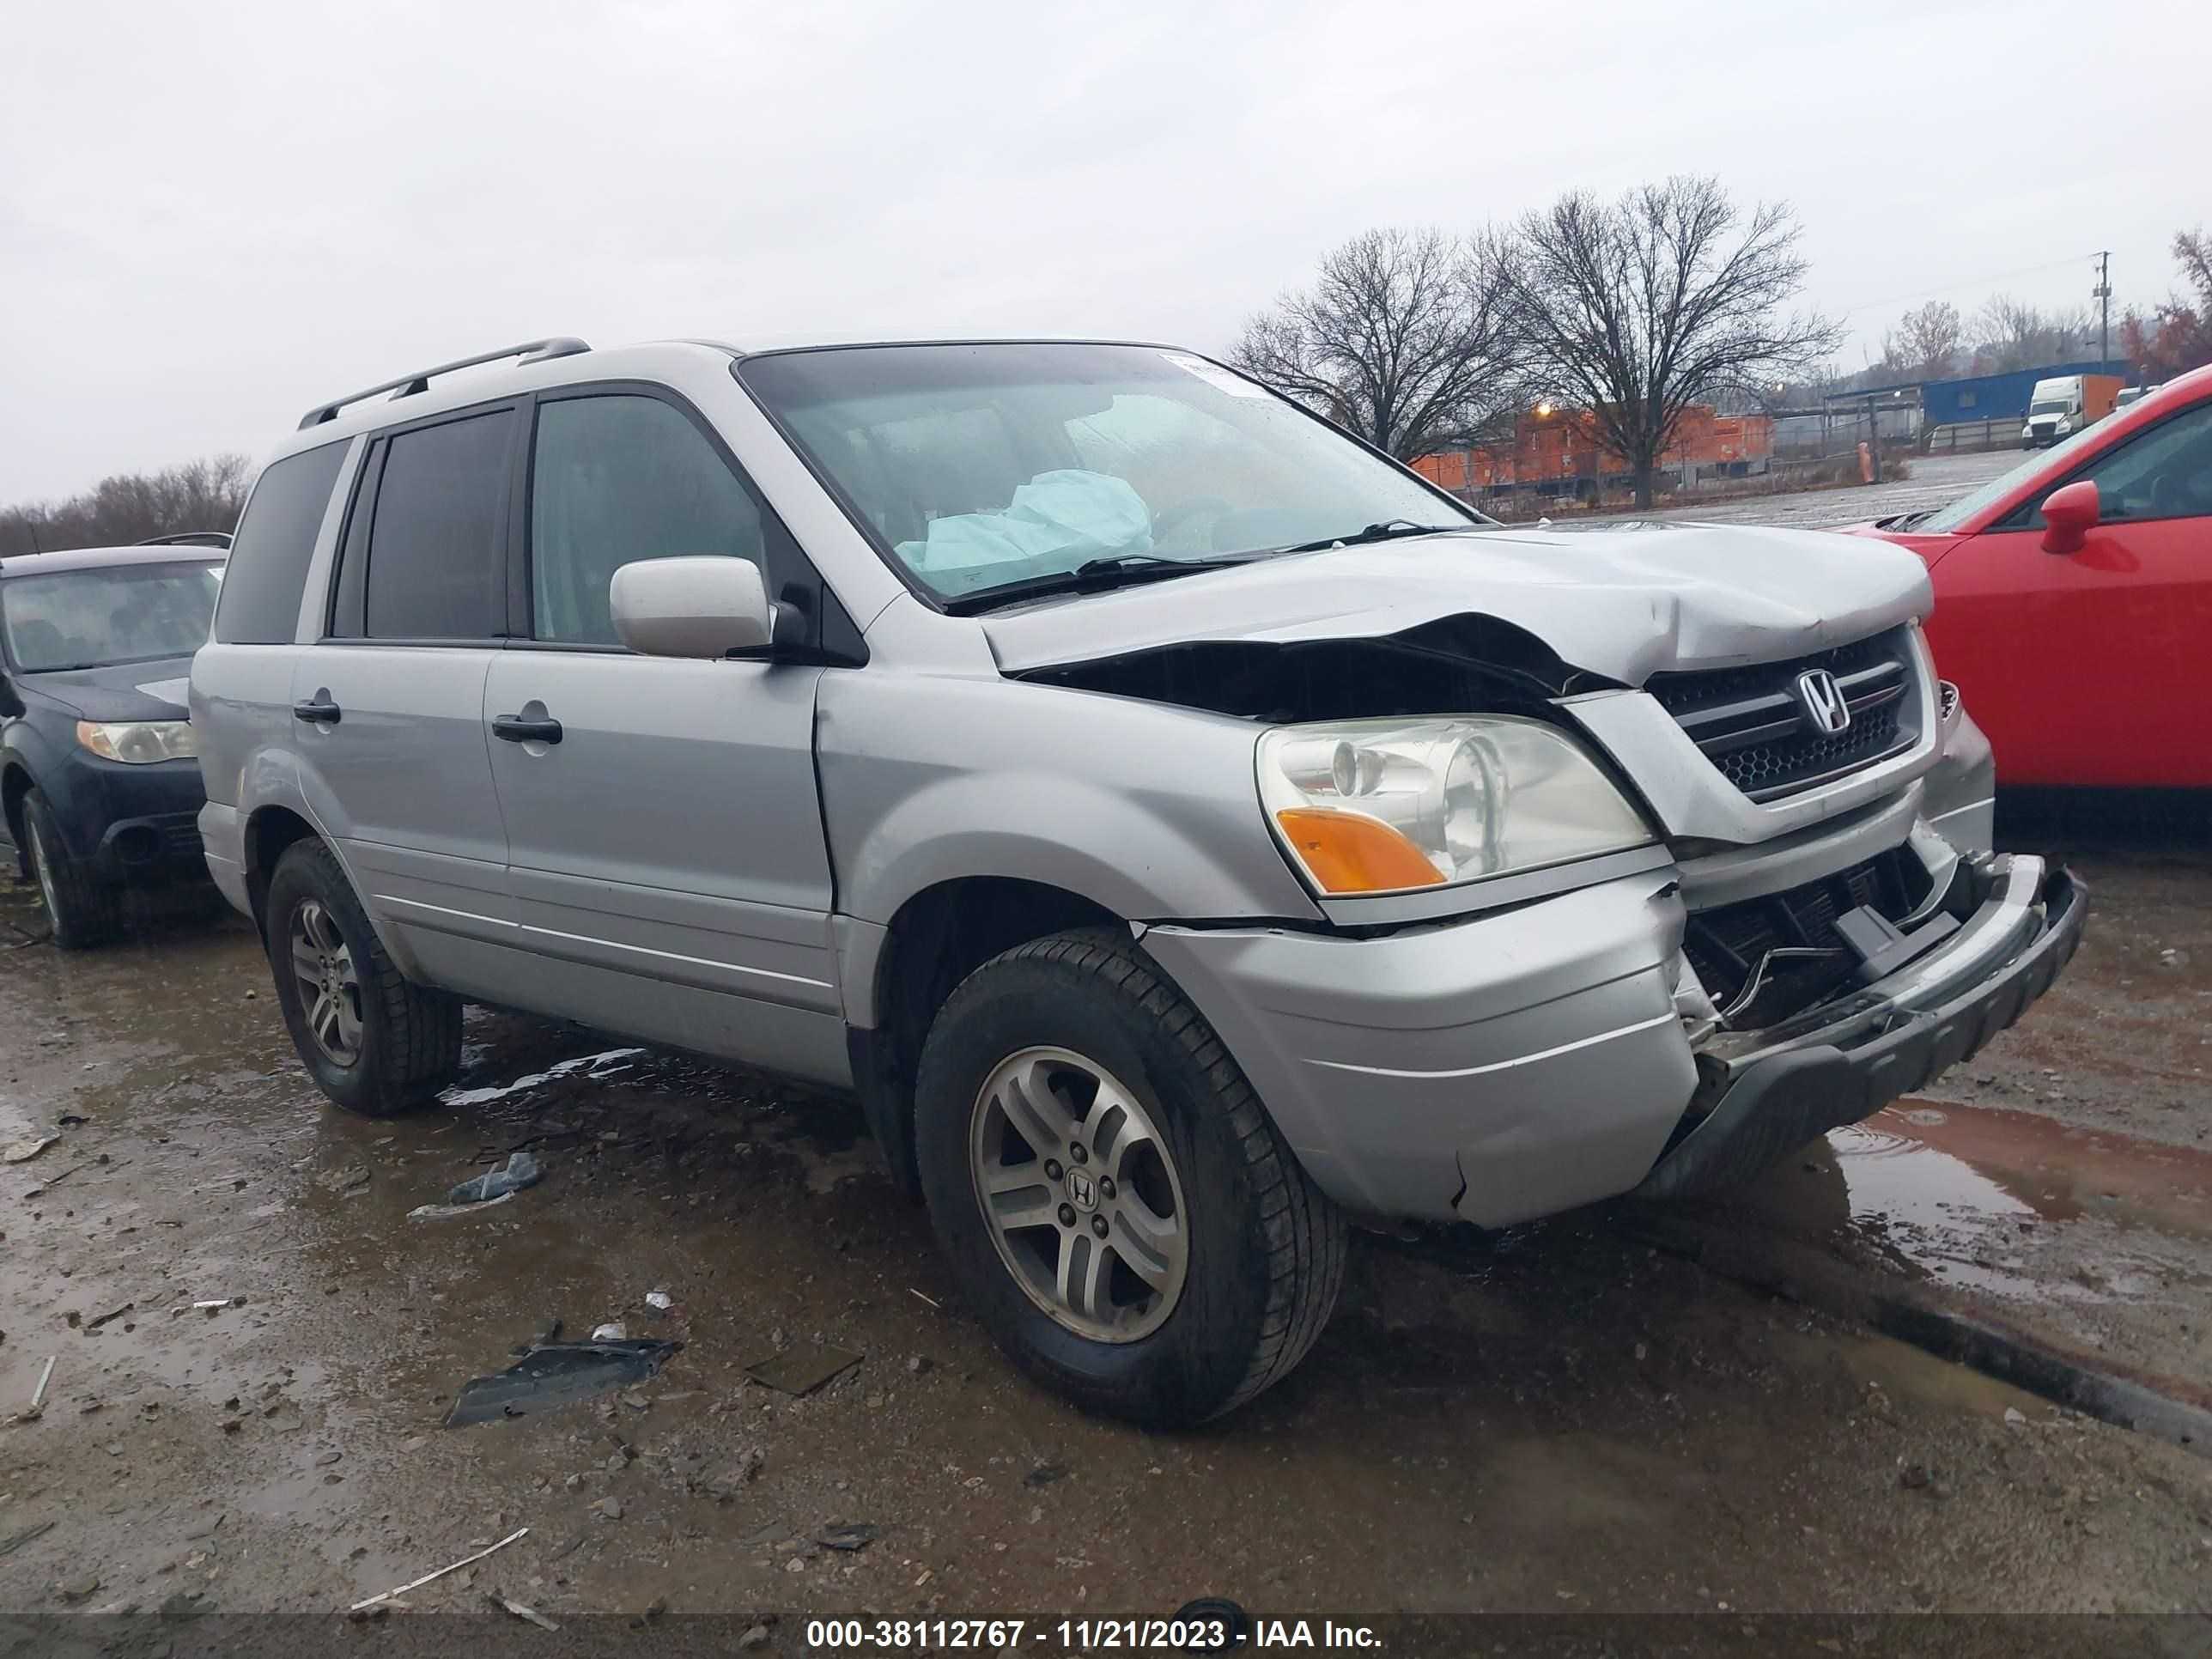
(589, 1064)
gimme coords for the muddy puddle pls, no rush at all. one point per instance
(1978, 1197)
(2096, 1243)
(1921, 1164)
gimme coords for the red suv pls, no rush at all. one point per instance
(2074, 598)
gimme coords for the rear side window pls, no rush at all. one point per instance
(436, 543)
(268, 566)
(617, 479)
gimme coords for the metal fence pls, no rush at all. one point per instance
(1966, 437)
(1842, 429)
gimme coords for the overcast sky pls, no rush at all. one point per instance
(212, 214)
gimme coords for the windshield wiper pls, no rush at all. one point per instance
(1389, 530)
(1091, 577)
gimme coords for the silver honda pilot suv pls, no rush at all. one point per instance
(1187, 830)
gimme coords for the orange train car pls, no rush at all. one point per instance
(1558, 448)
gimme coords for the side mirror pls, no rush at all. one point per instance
(2069, 516)
(699, 605)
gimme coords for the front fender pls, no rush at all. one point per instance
(38, 745)
(1151, 813)
(1961, 798)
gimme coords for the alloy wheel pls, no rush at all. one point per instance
(44, 866)
(330, 989)
(1079, 1190)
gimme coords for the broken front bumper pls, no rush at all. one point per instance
(1534, 1058)
(1763, 1094)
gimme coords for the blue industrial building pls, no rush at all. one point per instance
(1996, 397)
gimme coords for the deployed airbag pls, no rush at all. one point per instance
(1064, 517)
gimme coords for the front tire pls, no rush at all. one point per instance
(374, 1041)
(1114, 1200)
(83, 910)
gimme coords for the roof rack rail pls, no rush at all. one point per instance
(530, 351)
(189, 539)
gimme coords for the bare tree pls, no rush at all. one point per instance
(1795, 392)
(1929, 338)
(1642, 306)
(1400, 338)
(2192, 251)
(129, 507)
(2010, 333)
(2176, 336)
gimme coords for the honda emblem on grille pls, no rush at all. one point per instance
(1826, 710)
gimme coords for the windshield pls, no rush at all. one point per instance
(2048, 406)
(978, 466)
(2054, 460)
(124, 613)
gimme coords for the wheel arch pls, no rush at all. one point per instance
(269, 832)
(15, 782)
(935, 938)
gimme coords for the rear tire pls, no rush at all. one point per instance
(1239, 1286)
(373, 1041)
(84, 910)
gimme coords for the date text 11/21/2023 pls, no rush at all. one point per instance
(1206, 1633)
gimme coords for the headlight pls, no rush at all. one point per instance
(138, 742)
(1378, 806)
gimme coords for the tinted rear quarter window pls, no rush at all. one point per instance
(437, 543)
(268, 566)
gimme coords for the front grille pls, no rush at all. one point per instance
(1726, 945)
(1750, 724)
(181, 838)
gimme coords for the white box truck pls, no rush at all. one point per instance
(2059, 408)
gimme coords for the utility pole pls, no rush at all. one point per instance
(2102, 294)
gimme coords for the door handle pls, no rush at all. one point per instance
(513, 728)
(320, 711)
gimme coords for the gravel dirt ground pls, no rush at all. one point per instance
(1935, 480)
(1564, 1419)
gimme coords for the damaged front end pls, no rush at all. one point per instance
(1789, 947)
(1455, 664)
(1805, 1015)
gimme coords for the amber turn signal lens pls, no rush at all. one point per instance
(1351, 852)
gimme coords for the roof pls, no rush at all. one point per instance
(2037, 371)
(101, 558)
(475, 381)
(560, 361)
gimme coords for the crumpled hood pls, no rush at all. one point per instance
(122, 691)
(1625, 601)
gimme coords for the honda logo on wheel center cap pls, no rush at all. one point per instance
(1081, 1190)
(1826, 709)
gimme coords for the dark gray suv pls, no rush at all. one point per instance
(99, 769)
